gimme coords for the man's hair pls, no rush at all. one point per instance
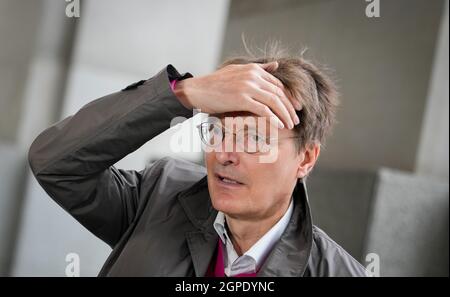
(303, 80)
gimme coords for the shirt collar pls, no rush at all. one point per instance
(264, 245)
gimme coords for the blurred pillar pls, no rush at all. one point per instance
(432, 157)
(32, 75)
(116, 43)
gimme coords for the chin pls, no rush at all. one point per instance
(225, 198)
(226, 202)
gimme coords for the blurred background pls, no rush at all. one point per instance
(381, 184)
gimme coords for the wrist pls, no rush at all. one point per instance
(181, 91)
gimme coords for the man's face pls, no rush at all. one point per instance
(263, 188)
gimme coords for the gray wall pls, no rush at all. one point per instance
(18, 28)
(409, 225)
(382, 66)
(31, 59)
(12, 173)
(341, 202)
(401, 217)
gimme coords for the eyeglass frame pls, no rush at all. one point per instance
(224, 129)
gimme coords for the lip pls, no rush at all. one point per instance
(219, 179)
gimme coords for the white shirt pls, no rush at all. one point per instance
(251, 260)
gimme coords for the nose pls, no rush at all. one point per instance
(228, 155)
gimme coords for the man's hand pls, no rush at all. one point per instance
(246, 87)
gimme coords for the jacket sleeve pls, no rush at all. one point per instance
(73, 159)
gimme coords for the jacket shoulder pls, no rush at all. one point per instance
(329, 259)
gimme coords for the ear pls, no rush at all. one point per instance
(308, 159)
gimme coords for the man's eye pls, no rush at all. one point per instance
(256, 138)
(217, 131)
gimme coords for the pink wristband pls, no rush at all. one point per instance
(172, 84)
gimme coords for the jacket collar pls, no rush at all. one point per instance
(289, 256)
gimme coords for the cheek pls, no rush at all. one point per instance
(272, 178)
(208, 157)
(264, 177)
(209, 160)
(209, 163)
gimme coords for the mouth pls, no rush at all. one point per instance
(227, 180)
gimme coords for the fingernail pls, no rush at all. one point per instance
(296, 120)
(298, 106)
(280, 124)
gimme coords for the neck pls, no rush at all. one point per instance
(244, 233)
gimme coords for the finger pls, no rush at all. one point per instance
(275, 104)
(296, 103)
(271, 78)
(262, 110)
(290, 107)
(270, 66)
(275, 81)
(265, 85)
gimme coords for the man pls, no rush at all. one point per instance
(241, 216)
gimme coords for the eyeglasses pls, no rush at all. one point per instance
(246, 140)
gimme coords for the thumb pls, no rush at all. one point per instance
(270, 66)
